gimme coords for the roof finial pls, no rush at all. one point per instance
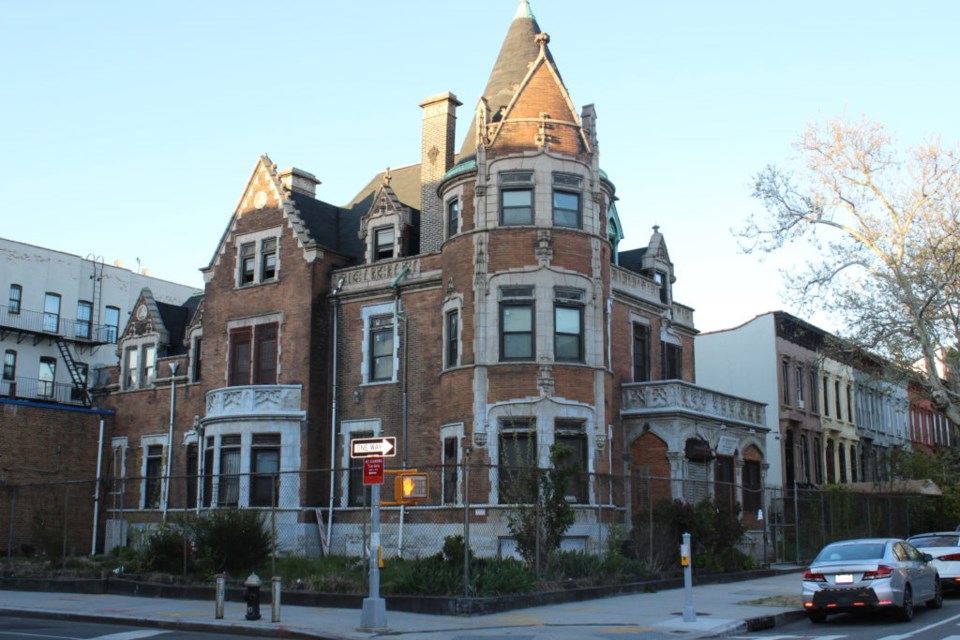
(387, 177)
(524, 11)
(656, 228)
(542, 39)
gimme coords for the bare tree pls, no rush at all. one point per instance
(884, 228)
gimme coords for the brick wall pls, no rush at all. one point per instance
(48, 460)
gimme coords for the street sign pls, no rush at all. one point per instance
(373, 470)
(366, 447)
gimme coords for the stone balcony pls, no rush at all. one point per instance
(679, 397)
(255, 401)
(642, 288)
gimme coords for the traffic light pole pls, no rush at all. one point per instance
(374, 613)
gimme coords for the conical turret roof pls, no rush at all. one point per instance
(518, 52)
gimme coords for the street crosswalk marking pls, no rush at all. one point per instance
(132, 635)
(790, 637)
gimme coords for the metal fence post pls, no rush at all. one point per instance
(466, 527)
(13, 513)
(66, 505)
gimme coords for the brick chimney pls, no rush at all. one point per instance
(299, 181)
(439, 130)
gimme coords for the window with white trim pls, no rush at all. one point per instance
(568, 324)
(566, 200)
(516, 197)
(517, 323)
(384, 240)
(16, 297)
(572, 433)
(152, 476)
(111, 324)
(451, 329)
(517, 466)
(381, 348)
(453, 217)
(257, 258)
(228, 492)
(84, 318)
(264, 470)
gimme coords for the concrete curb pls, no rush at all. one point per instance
(758, 623)
(234, 628)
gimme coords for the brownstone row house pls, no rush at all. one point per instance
(475, 306)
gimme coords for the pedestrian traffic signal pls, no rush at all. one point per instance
(412, 486)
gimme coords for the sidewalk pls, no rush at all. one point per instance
(721, 609)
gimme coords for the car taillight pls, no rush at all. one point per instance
(950, 557)
(883, 571)
(810, 576)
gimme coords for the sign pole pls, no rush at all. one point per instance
(374, 613)
(689, 613)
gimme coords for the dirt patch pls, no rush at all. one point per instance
(776, 601)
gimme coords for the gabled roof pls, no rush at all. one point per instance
(317, 225)
(517, 54)
(404, 181)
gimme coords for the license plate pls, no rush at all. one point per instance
(844, 578)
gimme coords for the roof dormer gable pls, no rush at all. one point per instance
(387, 226)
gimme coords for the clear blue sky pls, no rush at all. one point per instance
(129, 129)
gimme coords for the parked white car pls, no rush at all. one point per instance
(944, 546)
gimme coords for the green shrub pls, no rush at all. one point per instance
(232, 540)
(501, 576)
(165, 549)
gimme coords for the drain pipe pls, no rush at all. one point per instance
(402, 317)
(335, 301)
(173, 408)
(96, 490)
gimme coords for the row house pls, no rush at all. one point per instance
(842, 416)
(475, 306)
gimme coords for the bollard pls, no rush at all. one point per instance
(275, 599)
(252, 596)
(220, 594)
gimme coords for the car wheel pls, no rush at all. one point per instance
(816, 617)
(937, 601)
(906, 611)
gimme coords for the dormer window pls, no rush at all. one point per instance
(383, 243)
(257, 260)
(662, 282)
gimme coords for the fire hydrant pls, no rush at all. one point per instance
(252, 596)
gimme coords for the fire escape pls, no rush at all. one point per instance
(70, 336)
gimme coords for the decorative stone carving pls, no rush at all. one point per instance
(545, 381)
(544, 250)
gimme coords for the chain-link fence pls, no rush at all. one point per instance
(55, 519)
(327, 513)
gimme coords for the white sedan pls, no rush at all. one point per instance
(870, 574)
(944, 546)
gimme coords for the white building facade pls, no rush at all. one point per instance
(61, 317)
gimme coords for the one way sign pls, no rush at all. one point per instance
(364, 447)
